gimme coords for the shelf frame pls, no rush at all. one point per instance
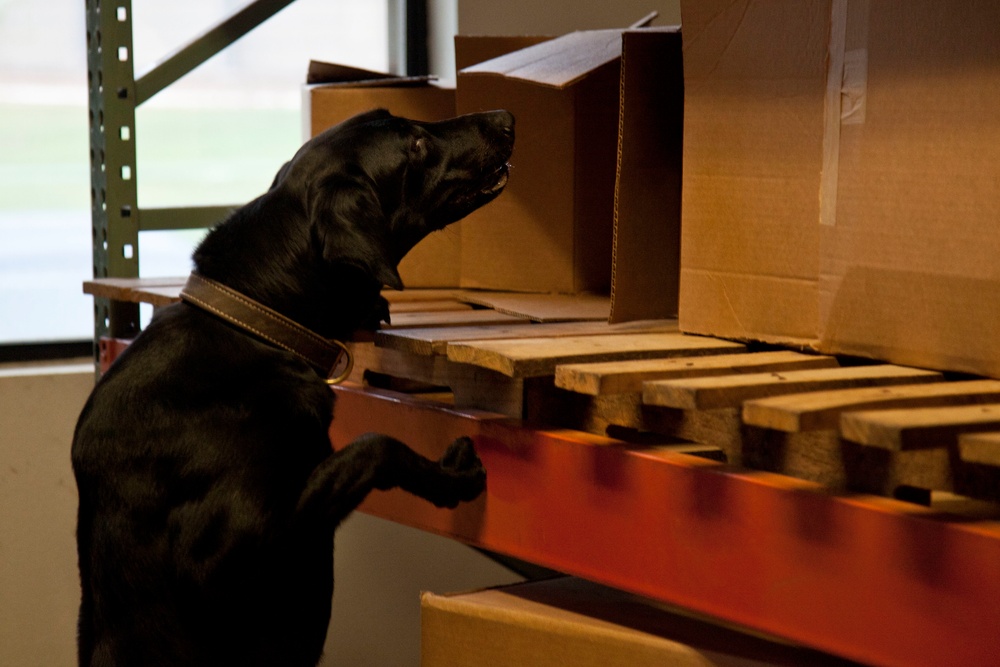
(864, 577)
(114, 94)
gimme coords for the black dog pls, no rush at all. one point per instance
(209, 492)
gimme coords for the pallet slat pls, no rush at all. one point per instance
(731, 391)
(981, 448)
(164, 291)
(535, 357)
(616, 377)
(421, 294)
(436, 340)
(155, 291)
(821, 410)
(428, 306)
(902, 429)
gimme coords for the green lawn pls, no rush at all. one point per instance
(185, 157)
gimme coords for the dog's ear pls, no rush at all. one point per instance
(280, 176)
(351, 228)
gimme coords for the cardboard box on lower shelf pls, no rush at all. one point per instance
(569, 621)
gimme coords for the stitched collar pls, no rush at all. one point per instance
(330, 358)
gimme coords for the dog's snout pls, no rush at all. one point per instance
(503, 121)
(501, 128)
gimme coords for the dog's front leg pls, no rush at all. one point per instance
(374, 461)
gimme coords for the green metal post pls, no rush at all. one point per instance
(113, 197)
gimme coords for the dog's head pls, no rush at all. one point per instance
(377, 184)
(321, 243)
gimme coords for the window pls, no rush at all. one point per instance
(215, 137)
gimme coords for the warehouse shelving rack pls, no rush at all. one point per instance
(857, 575)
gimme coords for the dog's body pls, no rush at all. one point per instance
(209, 493)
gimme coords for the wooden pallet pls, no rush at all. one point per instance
(548, 359)
(804, 415)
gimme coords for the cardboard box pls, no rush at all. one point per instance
(568, 621)
(551, 229)
(842, 177)
(584, 197)
(593, 204)
(336, 92)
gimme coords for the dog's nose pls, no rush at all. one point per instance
(502, 120)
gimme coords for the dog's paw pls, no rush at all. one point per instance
(465, 470)
(461, 455)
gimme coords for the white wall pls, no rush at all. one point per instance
(39, 586)
(555, 17)
(381, 568)
(529, 17)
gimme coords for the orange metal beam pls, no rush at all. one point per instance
(863, 577)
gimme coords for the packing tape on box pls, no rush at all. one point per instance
(846, 95)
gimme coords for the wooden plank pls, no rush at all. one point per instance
(817, 456)
(964, 507)
(436, 340)
(427, 306)
(535, 357)
(731, 391)
(615, 377)
(421, 294)
(822, 409)
(902, 429)
(449, 319)
(473, 387)
(156, 291)
(981, 448)
(164, 291)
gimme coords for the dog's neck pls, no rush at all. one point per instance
(330, 358)
(276, 264)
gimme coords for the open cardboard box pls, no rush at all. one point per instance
(335, 92)
(555, 228)
(593, 204)
(569, 621)
(842, 177)
(551, 229)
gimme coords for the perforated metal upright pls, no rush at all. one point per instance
(112, 159)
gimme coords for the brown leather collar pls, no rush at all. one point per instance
(330, 358)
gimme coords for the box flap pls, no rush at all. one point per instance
(646, 251)
(473, 49)
(333, 74)
(559, 62)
